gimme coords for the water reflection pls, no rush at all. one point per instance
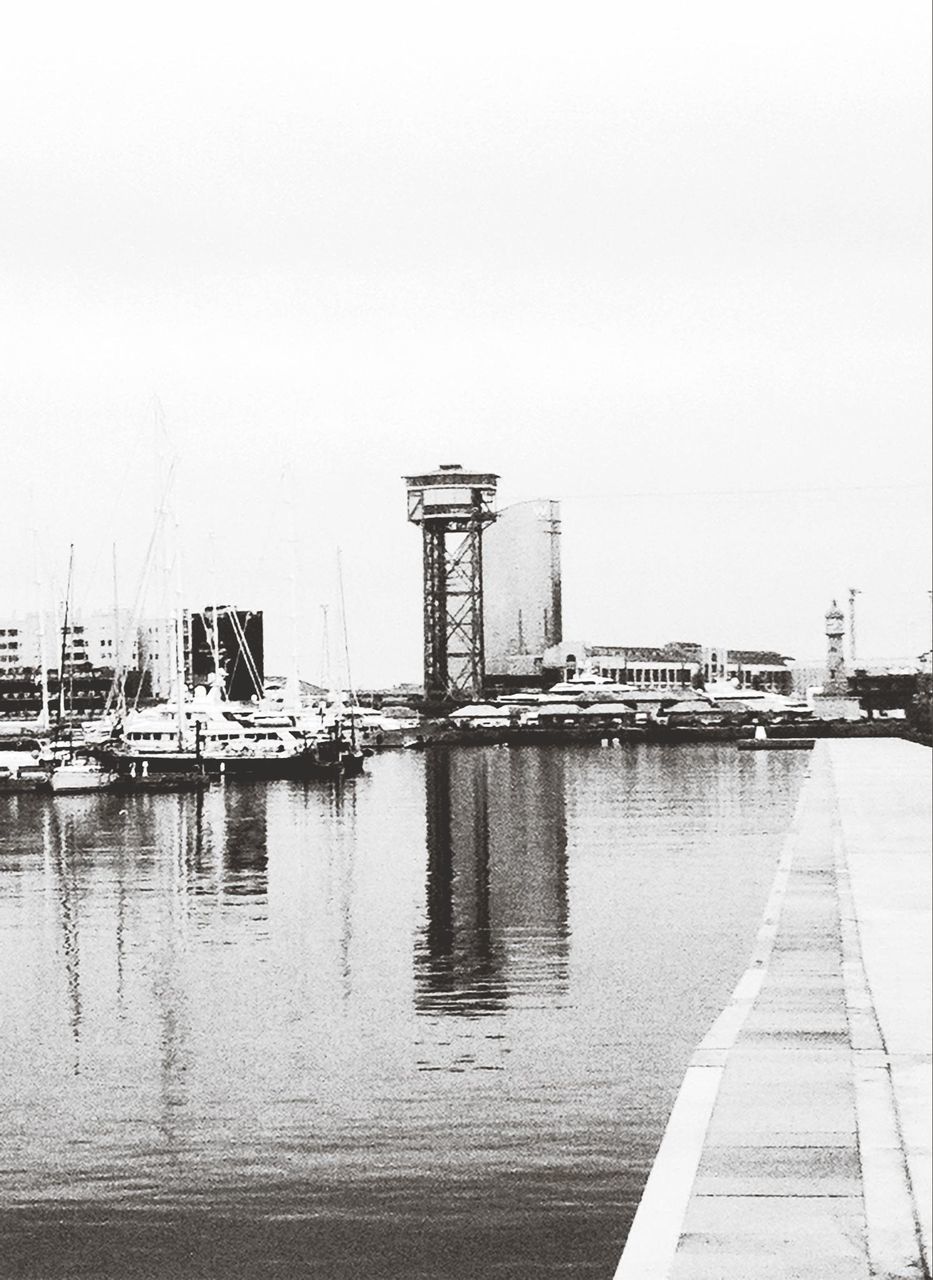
(343, 851)
(496, 880)
(245, 839)
(59, 849)
(286, 1005)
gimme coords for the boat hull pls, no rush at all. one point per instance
(147, 769)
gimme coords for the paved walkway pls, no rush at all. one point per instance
(799, 1144)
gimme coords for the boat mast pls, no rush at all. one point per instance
(214, 635)
(179, 645)
(119, 679)
(293, 681)
(325, 651)
(61, 664)
(40, 623)
(346, 649)
(173, 634)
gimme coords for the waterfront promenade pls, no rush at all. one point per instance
(799, 1144)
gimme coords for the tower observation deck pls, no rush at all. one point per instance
(452, 506)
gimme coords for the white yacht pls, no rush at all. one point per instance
(25, 764)
(217, 737)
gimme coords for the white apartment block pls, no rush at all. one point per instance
(95, 639)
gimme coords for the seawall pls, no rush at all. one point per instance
(799, 1143)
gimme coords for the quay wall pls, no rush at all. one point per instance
(799, 1143)
(443, 732)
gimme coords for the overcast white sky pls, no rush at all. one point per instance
(669, 263)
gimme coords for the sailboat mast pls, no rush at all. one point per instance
(40, 624)
(119, 684)
(346, 648)
(64, 650)
(294, 678)
(214, 634)
(179, 644)
(325, 650)
(292, 692)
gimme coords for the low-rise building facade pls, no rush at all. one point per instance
(678, 665)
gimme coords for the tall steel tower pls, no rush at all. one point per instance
(453, 507)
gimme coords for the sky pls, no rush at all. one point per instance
(668, 264)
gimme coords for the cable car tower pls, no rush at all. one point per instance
(453, 507)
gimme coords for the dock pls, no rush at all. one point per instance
(799, 1145)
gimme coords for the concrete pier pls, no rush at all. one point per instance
(799, 1144)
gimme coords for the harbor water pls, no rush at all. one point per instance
(428, 1023)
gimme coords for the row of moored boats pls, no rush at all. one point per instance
(172, 747)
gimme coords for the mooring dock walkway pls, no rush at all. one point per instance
(799, 1144)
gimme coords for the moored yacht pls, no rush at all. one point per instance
(25, 765)
(216, 739)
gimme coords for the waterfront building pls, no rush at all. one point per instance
(227, 641)
(11, 646)
(678, 665)
(92, 640)
(641, 666)
(91, 647)
(156, 650)
(760, 669)
(521, 587)
(96, 645)
(232, 645)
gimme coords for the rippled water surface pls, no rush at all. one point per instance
(429, 1024)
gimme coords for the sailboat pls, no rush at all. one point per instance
(78, 771)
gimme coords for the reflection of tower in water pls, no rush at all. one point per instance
(245, 840)
(496, 879)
